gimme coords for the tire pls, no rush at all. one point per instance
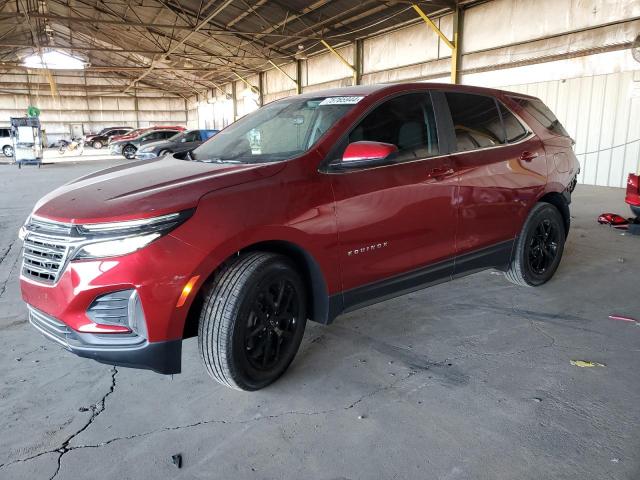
(162, 153)
(129, 152)
(635, 210)
(97, 145)
(539, 247)
(7, 150)
(236, 332)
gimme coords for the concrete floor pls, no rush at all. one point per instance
(467, 380)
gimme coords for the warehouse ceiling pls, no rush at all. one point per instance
(187, 46)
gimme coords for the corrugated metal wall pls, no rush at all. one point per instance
(602, 113)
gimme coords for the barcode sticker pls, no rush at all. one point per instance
(341, 100)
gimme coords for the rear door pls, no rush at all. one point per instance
(397, 218)
(502, 170)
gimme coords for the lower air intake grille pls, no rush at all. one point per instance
(111, 308)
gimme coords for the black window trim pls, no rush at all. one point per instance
(444, 142)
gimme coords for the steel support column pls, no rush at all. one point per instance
(354, 71)
(298, 77)
(234, 100)
(453, 45)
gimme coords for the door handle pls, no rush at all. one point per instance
(528, 156)
(439, 172)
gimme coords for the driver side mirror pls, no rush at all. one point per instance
(366, 154)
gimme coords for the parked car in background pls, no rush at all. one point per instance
(6, 143)
(131, 134)
(311, 206)
(182, 142)
(101, 138)
(633, 193)
(128, 147)
(139, 131)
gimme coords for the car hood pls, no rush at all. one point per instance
(144, 189)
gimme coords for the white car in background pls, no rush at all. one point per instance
(6, 144)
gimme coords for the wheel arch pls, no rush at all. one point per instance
(318, 301)
(559, 201)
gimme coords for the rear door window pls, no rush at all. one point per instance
(407, 121)
(514, 130)
(543, 114)
(476, 120)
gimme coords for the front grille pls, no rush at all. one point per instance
(43, 258)
(46, 249)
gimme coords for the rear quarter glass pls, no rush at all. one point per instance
(542, 114)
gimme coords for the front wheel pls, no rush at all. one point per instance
(97, 145)
(538, 248)
(129, 152)
(252, 321)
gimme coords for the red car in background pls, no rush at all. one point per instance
(633, 193)
(139, 131)
(309, 207)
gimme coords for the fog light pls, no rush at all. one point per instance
(117, 312)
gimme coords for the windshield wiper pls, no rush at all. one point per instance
(215, 160)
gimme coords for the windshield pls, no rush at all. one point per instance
(176, 137)
(278, 131)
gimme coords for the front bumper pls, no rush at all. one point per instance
(122, 350)
(115, 149)
(61, 309)
(145, 155)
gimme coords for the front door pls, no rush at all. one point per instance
(397, 221)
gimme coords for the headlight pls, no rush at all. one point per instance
(115, 248)
(114, 239)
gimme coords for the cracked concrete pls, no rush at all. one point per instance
(467, 380)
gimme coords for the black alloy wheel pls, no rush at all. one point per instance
(271, 324)
(543, 247)
(252, 320)
(539, 247)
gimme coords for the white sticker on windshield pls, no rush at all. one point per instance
(341, 100)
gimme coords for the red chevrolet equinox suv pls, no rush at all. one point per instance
(313, 205)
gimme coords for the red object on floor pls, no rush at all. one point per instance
(612, 219)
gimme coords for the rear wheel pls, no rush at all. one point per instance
(635, 210)
(538, 248)
(97, 145)
(7, 150)
(129, 152)
(252, 321)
